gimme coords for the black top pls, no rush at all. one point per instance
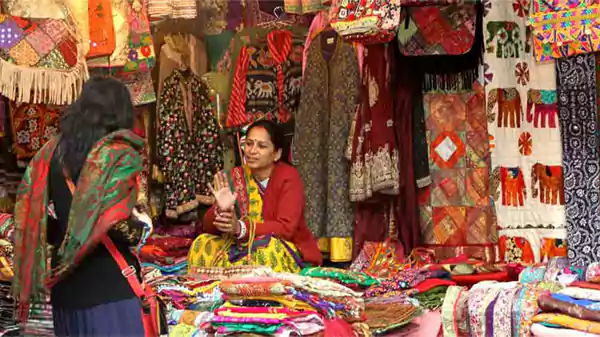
(97, 279)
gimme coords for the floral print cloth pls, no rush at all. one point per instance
(502, 317)
(188, 143)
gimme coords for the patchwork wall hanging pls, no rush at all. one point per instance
(41, 60)
(525, 141)
(578, 120)
(456, 210)
(32, 126)
(440, 29)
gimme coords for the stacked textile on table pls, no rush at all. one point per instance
(167, 249)
(40, 323)
(278, 304)
(264, 305)
(351, 279)
(7, 310)
(190, 299)
(505, 309)
(572, 311)
(427, 286)
(185, 292)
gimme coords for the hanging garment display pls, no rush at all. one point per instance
(188, 143)
(578, 121)
(563, 28)
(525, 142)
(374, 152)
(456, 211)
(330, 95)
(267, 76)
(32, 126)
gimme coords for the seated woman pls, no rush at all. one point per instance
(261, 202)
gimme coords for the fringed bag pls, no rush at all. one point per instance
(41, 60)
(368, 22)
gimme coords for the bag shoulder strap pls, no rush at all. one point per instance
(128, 271)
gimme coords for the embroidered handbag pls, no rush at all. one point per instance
(368, 22)
(562, 30)
(102, 29)
(437, 29)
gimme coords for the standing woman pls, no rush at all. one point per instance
(80, 187)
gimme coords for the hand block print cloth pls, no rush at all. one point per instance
(525, 141)
(578, 121)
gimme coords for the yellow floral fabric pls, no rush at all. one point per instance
(207, 248)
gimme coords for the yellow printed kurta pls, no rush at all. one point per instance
(211, 251)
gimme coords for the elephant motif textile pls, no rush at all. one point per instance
(542, 108)
(509, 107)
(507, 35)
(522, 125)
(513, 186)
(551, 184)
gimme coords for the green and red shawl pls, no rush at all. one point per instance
(106, 193)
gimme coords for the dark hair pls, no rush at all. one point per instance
(103, 107)
(272, 129)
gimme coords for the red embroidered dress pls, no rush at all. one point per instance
(375, 155)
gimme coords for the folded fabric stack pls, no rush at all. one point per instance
(351, 279)
(186, 292)
(278, 304)
(40, 322)
(168, 253)
(264, 305)
(573, 311)
(8, 325)
(505, 309)
(427, 286)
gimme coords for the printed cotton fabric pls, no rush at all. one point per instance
(578, 121)
(525, 143)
